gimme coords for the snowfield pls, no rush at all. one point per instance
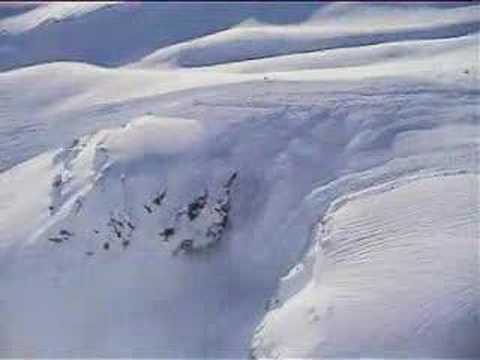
(270, 181)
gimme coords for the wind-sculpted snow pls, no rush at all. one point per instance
(118, 33)
(158, 136)
(395, 274)
(261, 41)
(44, 13)
(279, 156)
(164, 34)
(304, 205)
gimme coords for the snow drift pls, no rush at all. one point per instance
(382, 283)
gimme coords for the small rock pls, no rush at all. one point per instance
(159, 199)
(230, 180)
(196, 207)
(64, 232)
(74, 143)
(57, 181)
(186, 244)
(167, 233)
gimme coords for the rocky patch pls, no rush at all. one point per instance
(197, 226)
(63, 235)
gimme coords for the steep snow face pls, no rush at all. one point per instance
(382, 282)
(122, 245)
(151, 241)
(148, 212)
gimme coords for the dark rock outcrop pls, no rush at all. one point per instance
(195, 208)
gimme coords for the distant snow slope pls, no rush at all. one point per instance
(122, 32)
(320, 204)
(49, 12)
(341, 25)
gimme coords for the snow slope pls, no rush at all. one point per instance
(382, 283)
(175, 208)
(49, 12)
(96, 32)
(338, 26)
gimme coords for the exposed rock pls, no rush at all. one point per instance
(202, 215)
(196, 207)
(168, 232)
(186, 244)
(215, 232)
(159, 199)
(64, 232)
(63, 235)
(57, 181)
(78, 205)
(116, 226)
(231, 180)
(211, 219)
(148, 208)
(251, 354)
(115, 222)
(74, 143)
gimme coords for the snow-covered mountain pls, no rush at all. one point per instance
(213, 180)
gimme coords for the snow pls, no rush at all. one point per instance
(395, 53)
(96, 33)
(49, 12)
(150, 135)
(336, 27)
(20, 213)
(383, 283)
(216, 191)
